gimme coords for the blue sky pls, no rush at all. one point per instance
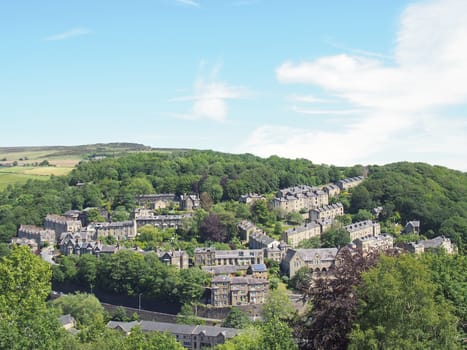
(337, 82)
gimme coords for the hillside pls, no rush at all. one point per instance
(435, 195)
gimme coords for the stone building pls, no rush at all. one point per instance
(28, 242)
(295, 235)
(212, 257)
(40, 235)
(157, 201)
(363, 229)
(60, 224)
(245, 229)
(434, 244)
(259, 240)
(332, 190)
(257, 271)
(190, 337)
(189, 202)
(412, 227)
(327, 212)
(374, 243)
(177, 258)
(298, 198)
(149, 217)
(318, 260)
(226, 291)
(122, 230)
(250, 198)
(76, 244)
(350, 182)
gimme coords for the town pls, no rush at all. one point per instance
(239, 277)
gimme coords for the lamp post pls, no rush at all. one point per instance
(139, 301)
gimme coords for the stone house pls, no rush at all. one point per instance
(192, 337)
(259, 240)
(190, 202)
(250, 198)
(433, 244)
(40, 235)
(157, 201)
(276, 253)
(29, 242)
(122, 230)
(227, 291)
(363, 229)
(318, 260)
(327, 212)
(75, 244)
(212, 257)
(412, 227)
(257, 271)
(60, 224)
(245, 229)
(332, 190)
(295, 235)
(177, 258)
(298, 198)
(350, 182)
(229, 270)
(374, 243)
(149, 217)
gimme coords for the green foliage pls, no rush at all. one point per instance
(188, 316)
(435, 195)
(236, 319)
(335, 237)
(25, 322)
(149, 341)
(85, 308)
(94, 215)
(120, 314)
(277, 306)
(313, 242)
(399, 311)
(193, 282)
(301, 279)
(363, 215)
(295, 218)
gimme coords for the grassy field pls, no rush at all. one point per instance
(19, 164)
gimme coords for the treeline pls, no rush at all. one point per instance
(114, 182)
(127, 273)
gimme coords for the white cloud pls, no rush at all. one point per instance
(210, 98)
(429, 73)
(308, 99)
(188, 2)
(69, 34)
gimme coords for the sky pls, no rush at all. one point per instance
(337, 82)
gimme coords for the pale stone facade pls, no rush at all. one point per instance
(121, 230)
(259, 240)
(299, 197)
(212, 257)
(374, 243)
(363, 229)
(318, 260)
(350, 182)
(60, 224)
(327, 212)
(226, 291)
(295, 235)
(40, 235)
(177, 258)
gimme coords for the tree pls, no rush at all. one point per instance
(363, 215)
(328, 322)
(187, 316)
(277, 305)
(277, 335)
(295, 218)
(313, 242)
(25, 322)
(236, 319)
(361, 199)
(335, 237)
(260, 211)
(398, 309)
(120, 314)
(212, 229)
(85, 308)
(193, 282)
(150, 341)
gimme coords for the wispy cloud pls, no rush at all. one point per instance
(188, 2)
(210, 97)
(68, 34)
(325, 111)
(402, 104)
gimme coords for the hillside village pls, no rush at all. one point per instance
(240, 276)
